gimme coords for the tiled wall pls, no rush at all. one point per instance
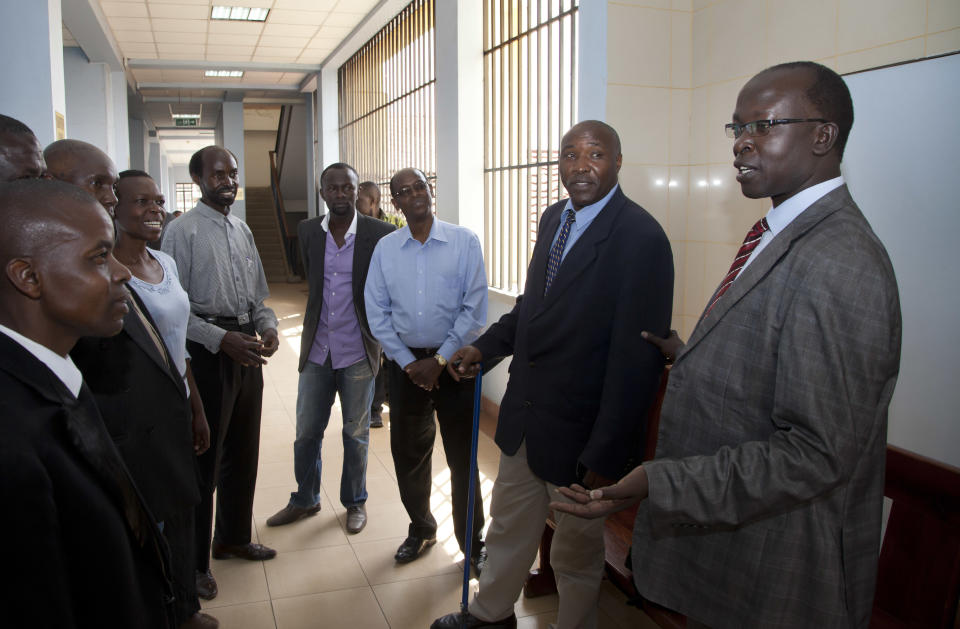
(674, 70)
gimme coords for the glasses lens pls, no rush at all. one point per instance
(732, 130)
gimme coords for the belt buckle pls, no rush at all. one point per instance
(244, 318)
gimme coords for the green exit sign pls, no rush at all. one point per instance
(186, 122)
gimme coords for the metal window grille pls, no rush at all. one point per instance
(530, 100)
(187, 196)
(387, 101)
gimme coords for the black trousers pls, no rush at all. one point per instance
(412, 434)
(379, 388)
(179, 532)
(232, 396)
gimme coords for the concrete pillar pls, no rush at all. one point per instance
(311, 135)
(120, 147)
(329, 117)
(232, 117)
(138, 144)
(592, 62)
(154, 161)
(459, 92)
(31, 46)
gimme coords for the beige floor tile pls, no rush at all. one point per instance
(269, 499)
(316, 531)
(534, 606)
(246, 616)
(275, 473)
(376, 558)
(385, 520)
(415, 604)
(313, 571)
(354, 608)
(613, 602)
(238, 581)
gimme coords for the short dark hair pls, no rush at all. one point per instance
(127, 174)
(196, 160)
(14, 126)
(828, 92)
(338, 166)
(365, 186)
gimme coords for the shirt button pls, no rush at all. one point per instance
(420, 292)
(420, 313)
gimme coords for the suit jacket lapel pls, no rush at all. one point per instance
(771, 255)
(133, 327)
(584, 250)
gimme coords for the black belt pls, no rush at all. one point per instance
(238, 323)
(423, 352)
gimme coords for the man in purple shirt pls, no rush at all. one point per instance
(338, 354)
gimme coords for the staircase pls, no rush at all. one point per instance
(262, 220)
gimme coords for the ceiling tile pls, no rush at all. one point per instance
(129, 23)
(214, 57)
(239, 51)
(226, 39)
(337, 18)
(292, 78)
(179, 56)
(197, 50)
(182, 76)
(289, 30)
(124, 9)
(180, 11)
(236, 28)
(179, 37)
(283, 42)
(147, 75)
(306, 5)
(279, 16)
(275, 58)
(135, 37)
(314, 55)
(273, 51)
(181, 26)
(334, 31)
(134, 50)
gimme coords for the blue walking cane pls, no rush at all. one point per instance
(471, 494)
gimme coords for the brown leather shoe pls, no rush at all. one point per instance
(206, 585)
(291, 513)
(356, 519)
(200, 621)
(250, 552)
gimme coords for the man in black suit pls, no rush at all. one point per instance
(580, 381)
(82, 547)
(338, 354)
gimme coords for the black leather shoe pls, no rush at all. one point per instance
(356, 519)
(206, 585)
(469, 621)
(376, 420)
(250, 552)
(413, 547)
(291, 513)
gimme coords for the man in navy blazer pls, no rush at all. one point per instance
(581, 378)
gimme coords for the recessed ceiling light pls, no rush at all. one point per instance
(185, 116)
(242, 14)
(224, 73)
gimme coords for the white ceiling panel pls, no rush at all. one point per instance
(137, 37)
(214, 57)
(129, 23)
(179, 37)
(275, 41)
(196, 51)
(306, 5)
(314, 55)
(289, 30)
(335, 31)
(279, 16)
(292, 78)
(262, 77)
(235, 28)
(148, 75)
(179, 26)
(239, 51)
(124, 9)
(228, 39)
(343, 19)
(139, 49)
(271, 51)
(180, 11)
(275, 58)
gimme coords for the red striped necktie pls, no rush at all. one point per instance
(749, 244)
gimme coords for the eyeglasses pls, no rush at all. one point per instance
(761, 127)
(417, 186)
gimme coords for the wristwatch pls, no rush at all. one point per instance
(440, 359)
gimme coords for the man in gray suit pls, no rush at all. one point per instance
(763, 504)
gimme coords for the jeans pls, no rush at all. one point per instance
(315, 394)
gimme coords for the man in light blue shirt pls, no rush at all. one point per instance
(426, 296)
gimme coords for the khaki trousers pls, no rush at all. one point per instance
(518, 512)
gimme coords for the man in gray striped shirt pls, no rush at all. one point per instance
(221, 271)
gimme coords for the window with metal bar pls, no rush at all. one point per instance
(387, 101)
(530, 100)
(187, 196)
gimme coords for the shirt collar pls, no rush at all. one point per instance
(61, 366)
(209, 212)
(438, 231)
(325, 223)
(587, 213)
(779, 217)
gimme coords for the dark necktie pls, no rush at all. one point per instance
(556, 252)
(749, 244)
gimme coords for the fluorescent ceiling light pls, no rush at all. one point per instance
(243, 14)
(224, 73)
(186, 116)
